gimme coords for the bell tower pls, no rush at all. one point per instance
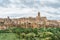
(38, 14)
(8, 17)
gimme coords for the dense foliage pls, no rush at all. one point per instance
(30, 34)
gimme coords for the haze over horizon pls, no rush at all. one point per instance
(26, 8)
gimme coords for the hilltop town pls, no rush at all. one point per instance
(29, 22)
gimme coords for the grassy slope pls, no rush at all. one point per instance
(8, 36)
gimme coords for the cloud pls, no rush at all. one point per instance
(48, 8)
(17, 11)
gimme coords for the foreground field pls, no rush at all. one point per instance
(8, 36)
(30, 34)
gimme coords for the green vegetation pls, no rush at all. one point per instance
(30, 34)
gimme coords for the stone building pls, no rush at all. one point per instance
(32, 22)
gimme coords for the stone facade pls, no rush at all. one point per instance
(36, 22)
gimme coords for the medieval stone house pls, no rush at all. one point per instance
(36, 22)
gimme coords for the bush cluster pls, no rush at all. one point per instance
(31, 33)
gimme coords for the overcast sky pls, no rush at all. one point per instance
(26, 8)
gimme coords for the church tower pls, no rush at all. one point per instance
(8, 17)
(38, 16)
